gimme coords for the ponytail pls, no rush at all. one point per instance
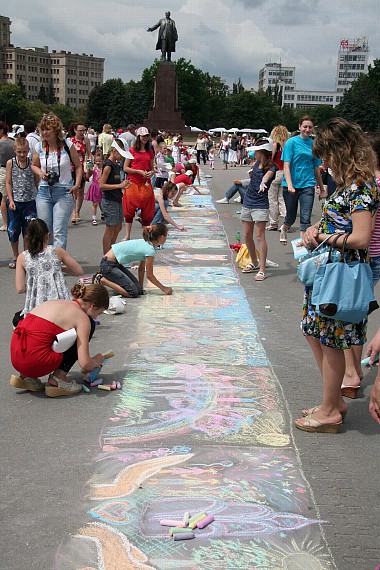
(35, 236)
(152, 233)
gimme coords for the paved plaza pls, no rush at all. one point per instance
(212, 380)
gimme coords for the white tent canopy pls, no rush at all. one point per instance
(218, 130)
(196, 130)
(257, 131)
(233, 130)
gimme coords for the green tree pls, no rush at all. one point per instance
(13, 108)
(42, 94)
(108, 104)
(50, 95)
(252, 110)
(21, 84)
(64, 112)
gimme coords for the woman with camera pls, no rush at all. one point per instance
(57, 191)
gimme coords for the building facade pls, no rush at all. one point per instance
(352, 62)
(69, 76)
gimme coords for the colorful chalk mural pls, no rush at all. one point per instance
(200, 424)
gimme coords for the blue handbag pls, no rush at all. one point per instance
(309, 264)
(343, 290)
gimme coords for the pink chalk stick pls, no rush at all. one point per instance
(167, 522)
(184, 536)
(205, 521)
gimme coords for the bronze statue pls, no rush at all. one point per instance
(167, 36)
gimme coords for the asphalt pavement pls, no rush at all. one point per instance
(49, 447)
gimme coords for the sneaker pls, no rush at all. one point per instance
(62, 388)
(30, 384)
(222, 201)
(238, 199)
(94, 223)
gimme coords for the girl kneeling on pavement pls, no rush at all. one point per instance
(255, 209)
(33, 353)
(113, 273)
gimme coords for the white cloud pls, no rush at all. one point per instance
(228, 38)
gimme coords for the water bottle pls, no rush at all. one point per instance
(237, 237)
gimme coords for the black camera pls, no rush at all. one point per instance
(52, 177)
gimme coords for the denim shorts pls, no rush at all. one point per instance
(19, 218)
(254, 215)
(374, 263)
(112, 212)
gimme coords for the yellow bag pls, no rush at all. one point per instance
(243, 257)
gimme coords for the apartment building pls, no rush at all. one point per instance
(70, 76)
(351, 63)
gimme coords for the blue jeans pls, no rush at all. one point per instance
(305, 196)
(54, 206)
(375, 266)
(19, 218)
(158, 215)
(233, 190)
(117, 273)
(224, 156)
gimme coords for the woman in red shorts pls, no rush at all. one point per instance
(33, 353)
(139, 195)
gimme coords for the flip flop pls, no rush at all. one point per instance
(250, 268)
(260, 276)
(12, 264)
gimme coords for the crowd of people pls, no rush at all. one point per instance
(138, 175)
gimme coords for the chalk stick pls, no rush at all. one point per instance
(118, 385)
(168, 522)
(186, 517)
(205, 522)
(103, 387)
(108, 354)
(113, 386)
(194, 523)
(176, 530)
(96, 382)
(85, 389)
(365, 361)
(191, 519)
(184, 536)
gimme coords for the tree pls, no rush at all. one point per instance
(21, 84)
(361, 103)
(13, 108)
(108, 104)
(64, 112)
(50, 95)
(42, 94)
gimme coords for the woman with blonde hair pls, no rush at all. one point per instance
(279, 136)
(105, 140)
(350, 210)
(52, 159)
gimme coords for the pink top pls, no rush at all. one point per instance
(374, 246)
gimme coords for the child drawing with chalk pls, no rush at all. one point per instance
(113, 274)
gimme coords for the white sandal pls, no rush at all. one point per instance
(250, 268)
(260, 276)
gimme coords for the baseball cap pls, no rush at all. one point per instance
(124, 153)
(142, 131)
(189, 172)
(192, 161)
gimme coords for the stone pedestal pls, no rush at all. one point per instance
(165, 115)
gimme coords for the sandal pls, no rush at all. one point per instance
(308, 411)
(12, 264)
(283, 236)
(61, 388)
(314, 426)
(260, 276)
(30, 384)
(97, 278)
(250, 268)
(349, 391)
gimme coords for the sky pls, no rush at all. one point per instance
(229, 38)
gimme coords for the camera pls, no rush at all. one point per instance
(52, 177)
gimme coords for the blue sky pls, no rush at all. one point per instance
(228, 38)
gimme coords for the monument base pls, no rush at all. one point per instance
(165, 115)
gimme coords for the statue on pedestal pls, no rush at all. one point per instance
(167, 36)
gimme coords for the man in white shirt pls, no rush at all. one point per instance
(128, 137)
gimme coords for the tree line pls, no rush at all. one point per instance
(204, 100)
